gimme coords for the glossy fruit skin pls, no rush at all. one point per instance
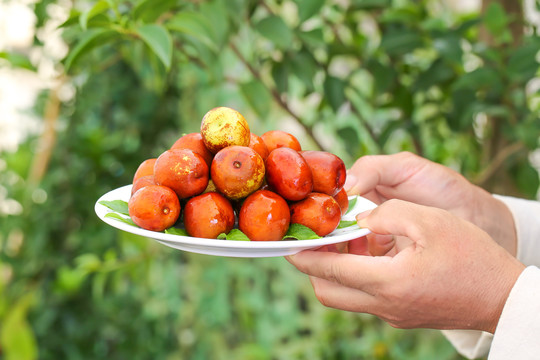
(328, 170)
(208, 215)
(343, 200)
(182, 170)
(222, 127)
(237, 171)
(257, 144)
(194, 141)
(142, 182)
(154, 207)
(276, 138)
(319, 212)
(144, 169)
(288, 173)
(264, 216)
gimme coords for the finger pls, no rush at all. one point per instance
(379, 245)
(387, 170)
(359, 246)
(402, 218)
(341, 297)
(346, 269)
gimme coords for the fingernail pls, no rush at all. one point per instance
(362, 223)
(361, 218)
(362, 215)
(350, 181)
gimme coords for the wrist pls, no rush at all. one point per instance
(500, 291)
(494, 217)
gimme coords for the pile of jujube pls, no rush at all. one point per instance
(226, 173)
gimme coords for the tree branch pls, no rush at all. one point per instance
(493, 167)
(277, 97)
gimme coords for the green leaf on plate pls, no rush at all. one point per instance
(176, 231)
(234, 234)
(120, 218)
(159, 40)
(118, 206)
(346, 223)
(352, 204)
(300, 232)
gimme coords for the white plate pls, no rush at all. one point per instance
(231, 247)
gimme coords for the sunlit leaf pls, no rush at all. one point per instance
(17, 340)
(159, 40)
(234, 234)
(98, 8)
(176, 231)
(300, 232)
(346, 223)
(120, 206)
(120, 218)
(17, 60)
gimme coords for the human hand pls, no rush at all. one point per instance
(409, 177)
(448, 275)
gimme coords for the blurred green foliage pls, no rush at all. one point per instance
(352, 77)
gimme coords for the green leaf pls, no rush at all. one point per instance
(352, 204)
(346, 223)
(72, 19)
(370, 4)
(159, 40)
(304, 67)
(234, 234)
(280, 74)
(495, 18)
(334, 92)
(176, 231)
(383, 75)
(300, 232)
(398, 41)
(17, 60)
(17, 340)
(98, 8)
(150, 10)
(313, 37)
(350, 136)
(449, 47)
(120, 218)
(522, 64)
(91, 39)
(195, 25)
(438, 73)
(526, 178)
(274, 29)
(120, 206)
(308, 8)
(257, 96)
(88, 262)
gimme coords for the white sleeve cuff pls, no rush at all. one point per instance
(526, 214)
(470, 343)
(517, 333)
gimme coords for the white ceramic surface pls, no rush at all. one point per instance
(231, 247)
